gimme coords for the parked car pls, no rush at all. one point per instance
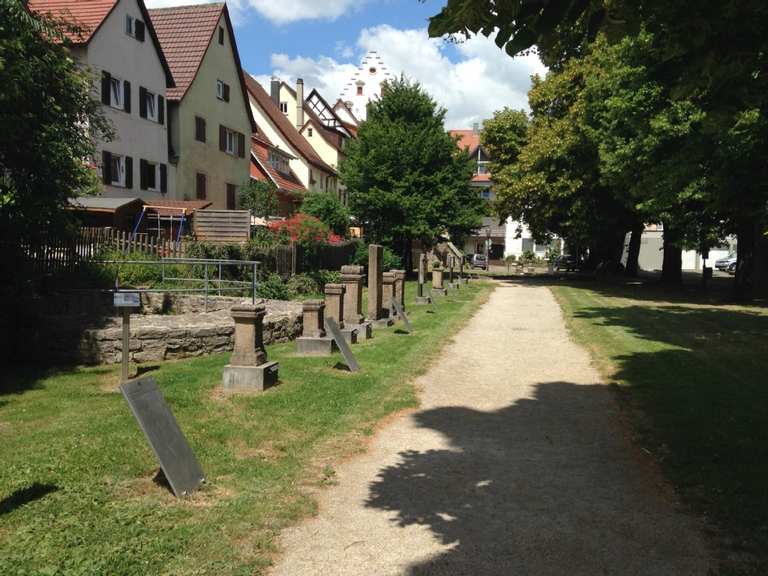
(479, 261)
(724, 264)
(567, 263)
(731, 268)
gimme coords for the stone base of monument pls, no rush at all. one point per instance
(423, 300)
(383, 322)
(309, 346)
(440, 291)
(350, 334)
(364, 330)
(250, 378)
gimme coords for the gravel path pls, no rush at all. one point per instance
(515, 464)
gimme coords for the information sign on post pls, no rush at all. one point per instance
(125, 301)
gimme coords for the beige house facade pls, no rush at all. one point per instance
(210, 116)
(278, 124)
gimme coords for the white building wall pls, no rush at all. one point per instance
(112, 50)
(370, 75)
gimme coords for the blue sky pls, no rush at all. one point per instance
(323, 41)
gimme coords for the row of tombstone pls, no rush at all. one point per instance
(249, 369)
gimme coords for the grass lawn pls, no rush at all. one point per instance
(695, 377)
(77, 494)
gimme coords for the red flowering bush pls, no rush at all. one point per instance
(304, 229)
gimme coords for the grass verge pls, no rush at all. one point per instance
(694, 377)
(77, 494)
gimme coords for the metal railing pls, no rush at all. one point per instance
(211, 283)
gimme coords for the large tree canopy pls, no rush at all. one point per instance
(406, 177)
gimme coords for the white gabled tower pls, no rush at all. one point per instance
(365, 85)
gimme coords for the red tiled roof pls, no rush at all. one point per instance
(260, 164)
(284, 126)
(481, 178)
(85, 14)
(185, 33)
(468, 139)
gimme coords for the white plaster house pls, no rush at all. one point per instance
(365, 85)
(118, 44)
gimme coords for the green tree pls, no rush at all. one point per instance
(326, 207)
(406, 177)
(260, 197)
(49, 124)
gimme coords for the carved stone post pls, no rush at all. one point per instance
(248, 369)
(387, 293)
(421, 297)
(400, 287)
(352, 278)
(334, 303)
(375, 257)
(313, 340)
(437, 280)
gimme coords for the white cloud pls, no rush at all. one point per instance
(280, 11)
(484, 78)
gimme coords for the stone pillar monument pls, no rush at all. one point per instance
(452, 283)
(421, 296)
(375, 257)
(437, 280)
(352, 278)
(313, 340)
(400, 287)
(387, 293)
(334, 308)
(248, 369)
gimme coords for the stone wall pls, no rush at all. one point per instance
(88, 339)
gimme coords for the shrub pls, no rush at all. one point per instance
(323, 277)
(390, 260)
(133, 274)
(302, 285)
(273, 288)
(326, 207)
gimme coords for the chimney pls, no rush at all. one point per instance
(476, 127)
(299, 103)
(274, 90)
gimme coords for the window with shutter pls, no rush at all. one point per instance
(220, 89)
(241, 145)
(142, 174)
(163, 178)
(126, 96)
(106, 88)
(128, 172)
(160, 110)
(222, 138)
(139, 30)
(226, 92)
(221, 35)
(199, 129)
(231, 196)
(200, 192)
(142, 102)
(106, 165)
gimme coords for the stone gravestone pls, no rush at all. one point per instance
(313, 341)
(352, 278)
(387, 293)
(421, 297)
(375, 257)
(334, 308)
(178, 462)
(399, 289)
(452, 284)
(341, 342)
(437, 280)
(248, 369)
(400, 311)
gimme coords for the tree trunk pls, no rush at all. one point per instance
(672, 268)
(633, 253)
(752, 265)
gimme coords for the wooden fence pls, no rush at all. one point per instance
(56, 255)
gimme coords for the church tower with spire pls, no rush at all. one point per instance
(365, 85)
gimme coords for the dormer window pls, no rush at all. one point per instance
(309, 132)
(222, 90)
(284, 107)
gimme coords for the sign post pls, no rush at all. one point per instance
(125, 301)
